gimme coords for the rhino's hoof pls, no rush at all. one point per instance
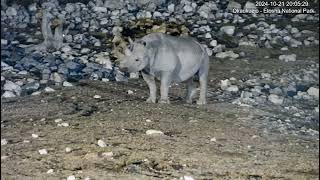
(151, 100)
(164, 101)
(201, 102)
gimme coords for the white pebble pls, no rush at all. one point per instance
(101, 143)
(4, 157)
(4, 142)
(35, 135)
(67, 84)
(148, 120)
(49, 89)
(43, 151)
(97, 96)
(186, 178)
(68, 149)
(63, 124)
(71, 177)
(151, 132)
(130, 92)
(57, 120)
(50, 171)
(213, 139)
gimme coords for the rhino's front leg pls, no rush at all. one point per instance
(164, 88)
(152, 87)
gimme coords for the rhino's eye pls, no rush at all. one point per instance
(137, 59)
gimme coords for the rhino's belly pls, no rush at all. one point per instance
(188, 66)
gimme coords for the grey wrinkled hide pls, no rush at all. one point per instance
(169, 59)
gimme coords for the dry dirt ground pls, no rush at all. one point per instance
(216, 141)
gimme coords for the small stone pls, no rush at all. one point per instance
(224, 84)
(187, 178)
(101, 143)
(58, 120)
(107, 154)
(154, 132)
(148, 120)
(66, 49)
(130, 92)
(11, 86)
(4, 42)
(288, 58)
(312, 91)
(50, 171)
(213, 139)
(68, 149)
(85, 51)
(213, 43)
(96, 96)
(233, 88)
(35, 135)
(171, 8)
(227, 54)
(188, 8)
(64, 124)
(208, 36)
(275, 99)
(49, 89)
(36, 93)
(4, 142)
(71, 177)
(229, 30)
(67, 84)
(4, 157)
(43, 151)
(8, 94)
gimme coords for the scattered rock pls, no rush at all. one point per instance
(72, 177)
(154, 132)
(288, 58)
(50, 171)
(229, 30)
(4, 142)
(275, 99)
(68, 149)
(101, 143)
(312, 91)
(35, 135)
(43, 152)
(67, 84)
(227, 54)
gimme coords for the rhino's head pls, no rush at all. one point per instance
(135, 58)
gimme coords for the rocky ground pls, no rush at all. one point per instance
(69, 113)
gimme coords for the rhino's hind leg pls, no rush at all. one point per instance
(164, 88)
(203, 76)
(152, 87)
(191, 90)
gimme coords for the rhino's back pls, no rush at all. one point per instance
(190, 54)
